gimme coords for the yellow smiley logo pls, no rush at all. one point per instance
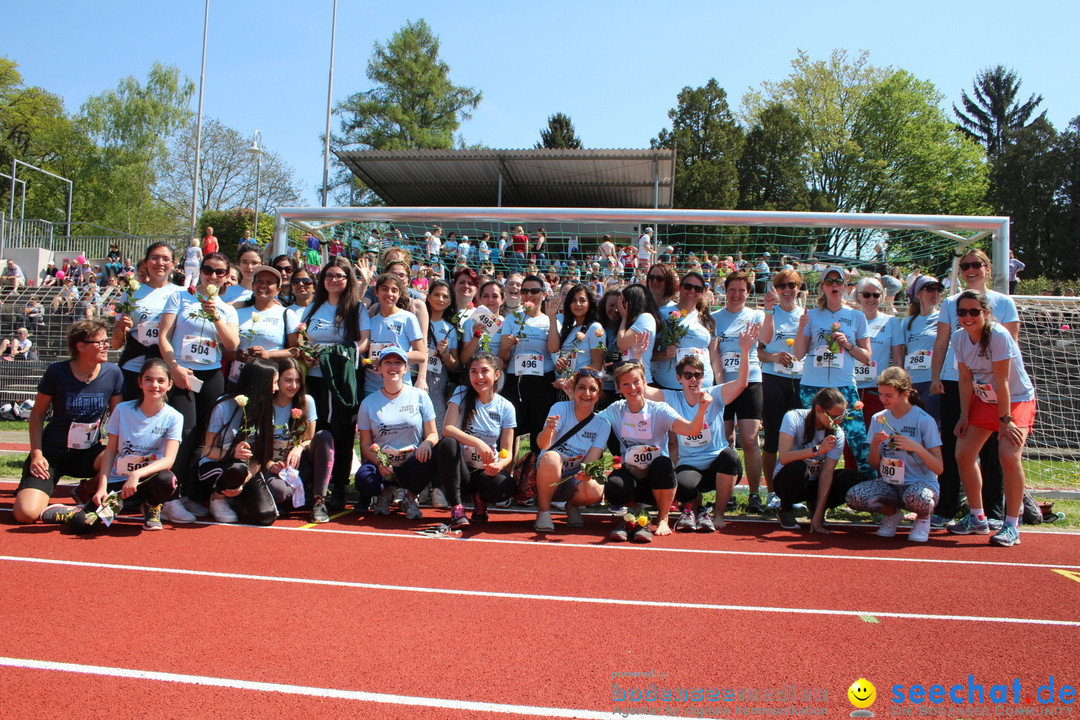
(862, 693)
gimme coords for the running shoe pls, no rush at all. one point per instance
(622, 530)
(889, 524)
(938, 521)
(59, 513)
(411, 507)
(152, 517)
(686, 522)
(82, 492)
(219, 508)
(732, 503)
(994, 524)
(197, 509)
(573, 516)
(544, 523)
(424, 498)
(382, 504)
(704, 521)
(319, 513)
(510, 501)
(457, 517)
(920, 531)
(642, 535)
(480, 511)
(1007, 536)
(968, 525)
(754, 505)
(175, 512)
(787, 519)
(438, 498)
(772, 502)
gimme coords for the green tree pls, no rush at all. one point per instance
(413, 104)
(994, 114)
(131, 126)
(707, 142)
(772, 168)
(559, 134)
(1066, 213)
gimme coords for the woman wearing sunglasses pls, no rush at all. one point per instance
(573, 434)
(781, 371)
(996, 397)
(831, 340)
(197, 328)
(302, 284)
(137, 331)
(286, 266)
(885, 347)
(530, 371)
(919, 333)
(976, 272)
(693, 315)
(662, 284)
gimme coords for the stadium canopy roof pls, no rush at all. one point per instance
(517, 178)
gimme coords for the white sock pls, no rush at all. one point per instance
(978, 514)
(1012, 520)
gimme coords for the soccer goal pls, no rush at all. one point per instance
(1050, 333)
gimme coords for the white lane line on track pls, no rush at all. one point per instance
(543, 598)
(319, 692)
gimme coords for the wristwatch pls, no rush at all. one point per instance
(1005, 418)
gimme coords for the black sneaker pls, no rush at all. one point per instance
(732, 503)
(152, 517)
(59, 513)
(621, 533)
(754, 507)
(336, 502)
(457, 517)
(787, 519)
(319, 513)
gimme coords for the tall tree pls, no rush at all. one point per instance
(707, 142)
(559, 134)
(994, 114)
(1067, 209)
(413, 104)
(772, 169)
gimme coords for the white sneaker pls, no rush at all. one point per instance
(219, 508)
(889, 524)
(438, 498)
(772, 502)
(196, 509)
(176, 513)
(920, 531)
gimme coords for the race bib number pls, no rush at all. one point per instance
(636, 426)
(398, 457)
(813, 468)
(892, 471)
(377, 347)
(918, 360)
(472, 458)
(435, 365)
(83, 435)
(986, 393)
(730, 361)
(702, 439)
(529, 364)
(147, 333)
(826, 358)
(571, 464)
(131, 463)
(701, 354)
(198, 350)
(486, 318)
(796, 368)
(234, 371)
(282, 446)
(640, 456)
(865, 372)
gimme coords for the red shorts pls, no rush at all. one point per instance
(987, 416)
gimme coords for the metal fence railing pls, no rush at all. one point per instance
(20, 233)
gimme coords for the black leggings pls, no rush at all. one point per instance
(412, 475)
(457, 478)
(532, 401)
(340, 421)
(195, 407)
(692, 481)
(256, 500)
(793, 484)
(623, 488)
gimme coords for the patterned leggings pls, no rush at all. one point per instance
(854, 428)
(917, 497)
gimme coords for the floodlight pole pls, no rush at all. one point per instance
(257, 152)
(198, 125)
(329, 107)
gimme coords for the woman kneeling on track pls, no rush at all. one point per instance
(79, 391)
(476, 451)
(811, 443)
(297, 447)
(706, 461)
(239, 449)
(906, 451)
(573, 434)
(996, 395)
(397, 438)
(647, 475)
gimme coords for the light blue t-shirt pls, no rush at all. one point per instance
(324, 329)
(981, 364)
(140, 439)
(486, 422)
(235, 293)
(150, 303)
(271, 329)
(820, 367)
(728, 327)
(792, 426)
(785, 326)
(648, 427)
(283, 421)
(530, 356)
(401, 330)
(700, 450)
(1003, 309)
(885, 334)
(919, 336)
(695, 342)
(918, 425)
(225, 421)
(195, 339)
(396, 424)
(645, 322)
(580, 347)
(574, 448)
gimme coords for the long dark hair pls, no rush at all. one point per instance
(447, 314)
(347, 316)
(404, 300)
(639, 300)
(568, 325)
(151, 362)
(257, 383)
(468, 404)
(826, 399)
(299, 400)
(601, 310)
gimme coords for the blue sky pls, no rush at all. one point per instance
(614, 67)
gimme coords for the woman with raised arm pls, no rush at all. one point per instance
(691, 315)
(638, 323)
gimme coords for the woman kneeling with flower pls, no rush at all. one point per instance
(300, 453)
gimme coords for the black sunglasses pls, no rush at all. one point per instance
(972, 265)
(693, 375)
(832, 281)
(220, 272)
(284, 269)
(303, 282)
(785, 286)
(691, 287)
(871, 295)
(658, 278)
(968, 312)
(532, 291)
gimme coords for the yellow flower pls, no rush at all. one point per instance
(241, 400)
(643, 520)
(503, 454)
(789, 342)
(599, 332)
